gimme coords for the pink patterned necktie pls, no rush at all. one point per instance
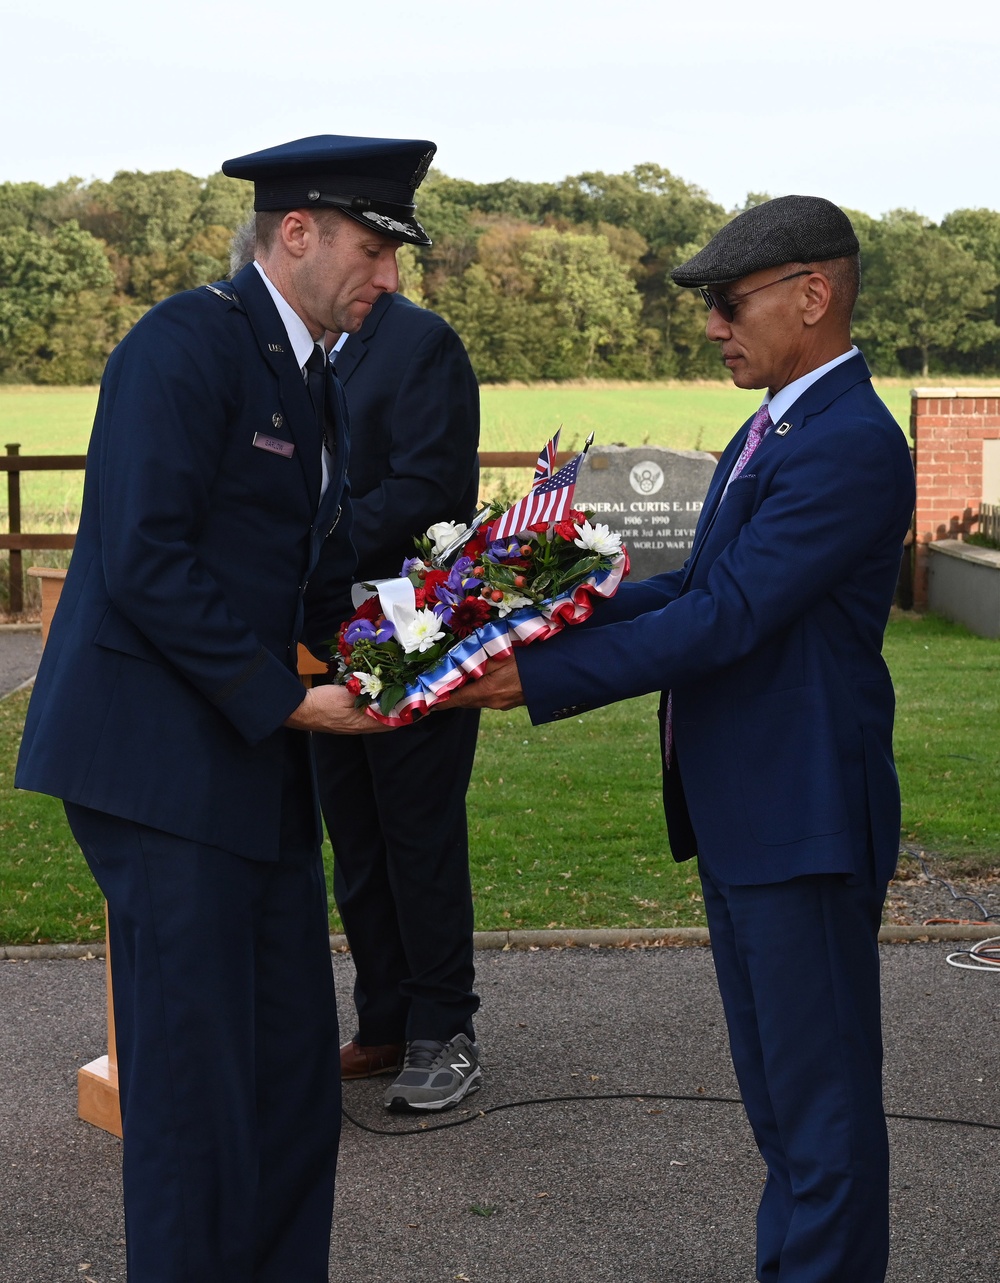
(758, 427)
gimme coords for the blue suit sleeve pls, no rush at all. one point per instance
(166, 435)
(842, 499)
(433, 447)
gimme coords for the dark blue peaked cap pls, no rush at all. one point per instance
(372, 180)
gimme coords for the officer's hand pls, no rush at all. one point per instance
(499, 687)
(331, 709)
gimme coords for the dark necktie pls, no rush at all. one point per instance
(316, 376)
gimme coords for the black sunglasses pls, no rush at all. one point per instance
(724, 306)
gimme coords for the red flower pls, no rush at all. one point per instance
(567, 530)
(469, 615)
(353, 685)
(342, 646)
(370, 608)
(434, 577)
(539, 527)
(418, 598)
(476, 545)
(575, 514)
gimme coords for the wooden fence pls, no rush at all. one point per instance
(14, 463)
(989, 521)
(16, 541)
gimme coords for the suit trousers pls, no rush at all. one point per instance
(228, 1061)
(401, 873)
(798, 970)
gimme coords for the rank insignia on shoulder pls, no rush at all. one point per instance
(782, 430)
(220, 293)
(275, 347)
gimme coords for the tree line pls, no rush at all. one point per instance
(542, 280)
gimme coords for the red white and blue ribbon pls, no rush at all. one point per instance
(468, 658)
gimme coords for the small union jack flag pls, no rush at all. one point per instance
(546, 464)
(549, 500)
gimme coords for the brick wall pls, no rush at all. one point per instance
(948, 427)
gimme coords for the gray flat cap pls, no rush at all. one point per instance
(790, 229)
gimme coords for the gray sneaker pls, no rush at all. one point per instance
(436, 1075)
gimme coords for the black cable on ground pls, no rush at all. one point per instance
(424, 1129)
(917, 855)
(984, 956)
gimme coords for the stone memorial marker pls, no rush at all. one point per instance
(649, 495)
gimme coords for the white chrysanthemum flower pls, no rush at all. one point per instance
(444, 533)
(419, 631)
(512, 601)
(598, 538)
(370, 684)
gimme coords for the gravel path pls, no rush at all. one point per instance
(630, 1190)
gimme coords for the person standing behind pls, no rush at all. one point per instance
(401, 867)
(777, 716)
(169, 716)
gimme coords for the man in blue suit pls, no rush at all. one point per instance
(777, 718)
(168, 714)
(401, 873)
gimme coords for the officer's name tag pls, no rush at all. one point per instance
(274, 445)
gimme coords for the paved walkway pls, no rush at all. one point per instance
(579, 1192)
(20, 651)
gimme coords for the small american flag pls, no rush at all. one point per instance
(546, 464)
(549, 500)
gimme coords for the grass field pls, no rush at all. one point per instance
(679, 415)
(699, 416)
(682, 415)
(566, 827)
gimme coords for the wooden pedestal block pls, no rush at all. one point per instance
(97, 1083)
(97, 1095)
(51, 583)
(309, 665)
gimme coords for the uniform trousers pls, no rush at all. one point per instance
(401, 873)
(798, 971)
(228, 1062)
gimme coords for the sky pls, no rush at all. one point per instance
(876, 105)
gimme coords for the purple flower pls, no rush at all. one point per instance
(504, 549)
(410, 565)
(448, 595)
(385, 631)
(360, 630)
(444, 610)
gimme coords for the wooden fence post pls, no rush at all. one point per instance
(16, 588)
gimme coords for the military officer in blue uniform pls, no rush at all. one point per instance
(167, 713)
(777, 719)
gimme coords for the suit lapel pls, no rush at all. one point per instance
(296, 410)
(350, 357)
(817, 397)
(716, 490)
(355, 349)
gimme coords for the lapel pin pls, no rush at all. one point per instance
(782, 430)
(278, 420)
(275, 347)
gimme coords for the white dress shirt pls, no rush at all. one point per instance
(302, 343)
